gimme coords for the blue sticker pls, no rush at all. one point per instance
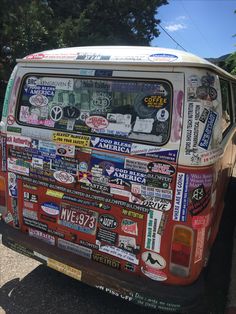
(207, 133)
(50, 208)
(40, 89)
(113, 168)
(111, 145)
(163, 57)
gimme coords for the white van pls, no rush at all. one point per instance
(114, 164)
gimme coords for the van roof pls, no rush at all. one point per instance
(138, 55)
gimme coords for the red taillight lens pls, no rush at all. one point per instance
(2, 193)
(182, 243)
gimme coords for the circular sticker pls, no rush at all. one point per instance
(10, 119)
(162, 115)
(153, 260)
(56, 113)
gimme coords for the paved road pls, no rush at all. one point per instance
(29, 287)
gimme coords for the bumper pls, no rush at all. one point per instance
(141, 291)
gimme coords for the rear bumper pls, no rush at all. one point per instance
(142, 291)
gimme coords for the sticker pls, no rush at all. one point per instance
(38, 100)
(35, 224)
(20, 141)
(200, 200)
(106, 260)
(96, 122)
(74, 248)
(64, 138)
(10, 120)
(12, 184)
(108, 221)
(143, 125)
(78, 218)
(181, 197)
(31, 214)
(207, 133)
(63, 177)
(18, 166)
(89, 244)
(157, 203)
(161, 167)
(128, 244)
(130, 213)
(53, 193)
(59, 83)
(148, 191)
(135, 164)
(155, 101)
(115, 251)
(199, 222)
(153, 260)
(199, 245)
(106, 236)
(153, 239)
(158, 180)
(30, 197)
(8, 218)
(13, 129)
(61, 163)
(154, 263)
(163, 57)
(153, 273)
(71, 112)
(111, 145)
(50, 208)
(162, 115)
(129, 226)
(65, 269)
(83, 166)
(65, 150)
(49, 239)
(56, 113)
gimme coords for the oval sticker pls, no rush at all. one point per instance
(63, 177)
(96, 122)
(50, 208)
(108, 221)
(38, 100)
(161, 167)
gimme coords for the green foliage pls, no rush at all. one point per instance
(30, 26)
(230, 63)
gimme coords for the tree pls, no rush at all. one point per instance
(26, 26)
(96, 22)
(230, 64)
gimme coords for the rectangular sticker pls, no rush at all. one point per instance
(65, 269)
(181, 197)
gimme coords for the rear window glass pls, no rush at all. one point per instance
(139, 110)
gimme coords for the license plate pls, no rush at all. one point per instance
(78, 218)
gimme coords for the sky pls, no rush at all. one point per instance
(202, 27)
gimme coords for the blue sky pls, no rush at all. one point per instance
(202, 27)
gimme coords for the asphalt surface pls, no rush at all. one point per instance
(26, 286)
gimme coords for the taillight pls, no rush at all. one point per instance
(2, 194)
(181, 250)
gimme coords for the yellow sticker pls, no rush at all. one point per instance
(65, 269)
(77, 140)
(54, 193)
